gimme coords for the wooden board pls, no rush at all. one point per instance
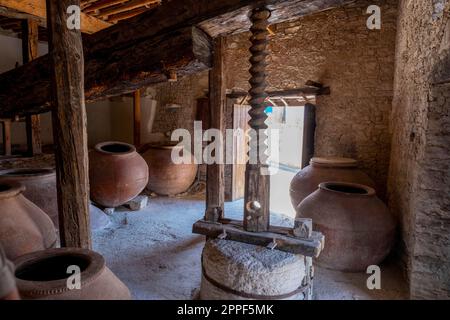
(240, 149)
(283, 236)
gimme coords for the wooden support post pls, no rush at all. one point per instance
(6, 128)
(309, 129)
(215, 188)
(29, 53)
(137, 118)
(69, 126)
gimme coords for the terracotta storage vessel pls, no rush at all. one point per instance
(166, 177)
(24, 227)
(359, 230)
(117, 173)
(322, 170)
(40, 187)
(43, 275)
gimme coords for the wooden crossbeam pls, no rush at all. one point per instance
(298, 92)
(37, 8)
(283, 237)
(128, 55)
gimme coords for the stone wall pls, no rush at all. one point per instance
(419, 183)
(336, 48)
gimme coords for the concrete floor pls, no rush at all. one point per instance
(154, 252)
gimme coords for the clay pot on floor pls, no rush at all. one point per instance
(117, 173)
(166, 177)
(24, 227)
(325, 169)
(359, 230)
(43, 275)
(40, 188)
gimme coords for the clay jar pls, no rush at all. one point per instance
(326, 169)
(117, 173)
(166, 177)
(359, 230)
(40, 188)
(24, 227)
(43, 275)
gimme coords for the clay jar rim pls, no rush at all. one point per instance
(10, 189)
(95, 265)
(333, 162)
(328, 187)
(100, 148)
(27, 173)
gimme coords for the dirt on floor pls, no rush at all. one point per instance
(155, 253)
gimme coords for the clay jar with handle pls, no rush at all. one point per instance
(24, 227)
(117, 173)
(321, 170)
(165, 176)
(359, 230)
(44, 275)
(40, 187)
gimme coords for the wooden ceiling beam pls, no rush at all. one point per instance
(130, 5)
(14, 14)
(128, 55)
(37, 8)
(188, 51)
(102, 4)
(128, 14)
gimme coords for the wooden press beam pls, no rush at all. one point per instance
(36, 8)
(283, 237)
(30, 35)
(215, 180)
(119, 71)
(137, 118)
(69, 125)
(126, 56)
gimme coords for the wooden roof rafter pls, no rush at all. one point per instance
(38, 9)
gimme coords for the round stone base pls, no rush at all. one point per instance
(240, 271)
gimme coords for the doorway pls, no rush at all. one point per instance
(294, 147)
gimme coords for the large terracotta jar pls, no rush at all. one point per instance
(24, 227)
(44, 275)
(117, 173)
(359, 230)
(326, 169)
(40, 188)
(165, 176)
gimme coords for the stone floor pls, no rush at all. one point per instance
(154, 252)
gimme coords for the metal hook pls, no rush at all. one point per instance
(223, 235)
(272, 245)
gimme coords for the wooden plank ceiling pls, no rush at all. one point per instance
(96, 14)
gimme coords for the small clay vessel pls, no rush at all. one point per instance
(117, 173)
(165, 176)
(359, 230)
(50, 275)
(40, 187)
(321, 170)
(24, 227)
